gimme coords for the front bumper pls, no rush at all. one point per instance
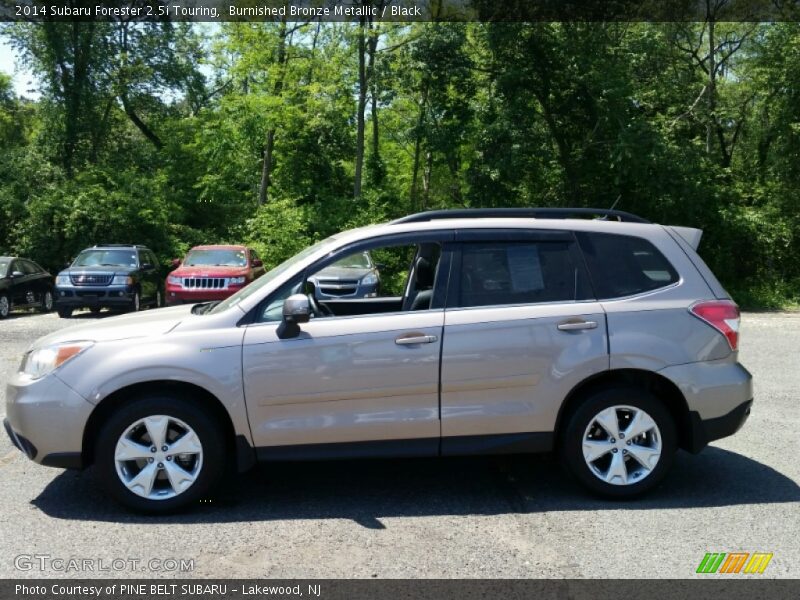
(108, 295)
(46, 420)
(179, 295)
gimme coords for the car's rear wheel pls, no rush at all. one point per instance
(64, 312)
(5, 306)
(47, 302)
(159, 454)
(620, 442)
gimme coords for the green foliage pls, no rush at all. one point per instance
(132, 141)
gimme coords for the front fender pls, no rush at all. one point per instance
(211, 360)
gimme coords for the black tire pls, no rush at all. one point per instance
(136, 306)
(573, 434)
(95, 310)
(64, 312)
(46, 304)
(5, 306)
(211, 438)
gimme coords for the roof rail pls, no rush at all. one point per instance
(520, 213)
(119, 246)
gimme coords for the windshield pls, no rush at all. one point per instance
(268, 277)
(360, 260)
(216, 257)
(106, 258)
(4, 267)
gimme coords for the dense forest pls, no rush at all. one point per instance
(281, 133)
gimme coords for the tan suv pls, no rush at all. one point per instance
(606, 339)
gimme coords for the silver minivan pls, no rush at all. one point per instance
(605, 339)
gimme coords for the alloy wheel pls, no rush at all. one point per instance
(48, 301)
(622, 445)
(158, 457)
(5, 307)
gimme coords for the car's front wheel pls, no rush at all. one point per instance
(619, 442)
(5, 306)
(64, 312)
(159, 454)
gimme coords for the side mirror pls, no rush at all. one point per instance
(21, 274)
(147, 266)
(296, 310)
(380, 266)
(257, 263)
(176, 262)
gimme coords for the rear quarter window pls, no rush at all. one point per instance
(624, 265)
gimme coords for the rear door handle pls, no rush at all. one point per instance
(576, 325)
(410, 339)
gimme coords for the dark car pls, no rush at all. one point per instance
(24, 284)
(115, 276)
(355, 276)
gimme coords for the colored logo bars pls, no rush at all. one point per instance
(734, 562)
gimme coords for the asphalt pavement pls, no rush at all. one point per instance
(498, 517)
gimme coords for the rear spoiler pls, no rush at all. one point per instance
(689, 234)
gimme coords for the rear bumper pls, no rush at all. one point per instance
(718, 394)
(704, 431)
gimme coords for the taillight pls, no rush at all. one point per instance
(722, 315)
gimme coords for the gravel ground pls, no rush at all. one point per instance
(477, 517)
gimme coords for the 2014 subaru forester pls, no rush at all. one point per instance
(607, 340)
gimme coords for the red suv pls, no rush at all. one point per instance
(212, 273)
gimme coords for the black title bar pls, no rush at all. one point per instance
(401, 10)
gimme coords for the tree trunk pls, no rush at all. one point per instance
(418, 145)
(362, 105)
(269, 143)
(140, 125)
(426, 180)
(372, 47)
(711, 94)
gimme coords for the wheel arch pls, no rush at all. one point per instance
(236, 446)
(658, 385)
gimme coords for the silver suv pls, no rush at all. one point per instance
(605, 339)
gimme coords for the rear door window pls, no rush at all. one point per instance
(624, 265)
(498, 273)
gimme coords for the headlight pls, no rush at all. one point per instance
(174, 280)
(369, 279)
(237, 280)
(40, 362)
(122, 280)
(62, 280)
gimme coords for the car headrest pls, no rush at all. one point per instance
(423, 273)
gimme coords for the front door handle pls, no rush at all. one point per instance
(576, 325)
(410, 339)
